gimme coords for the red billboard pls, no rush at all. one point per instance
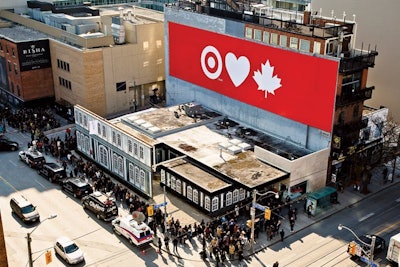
(296, 86)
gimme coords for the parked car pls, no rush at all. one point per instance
(8, 145)
(52, 172)
(102, 205)
(77, 187)
(24, 209)
(68, 250)
(32, 157)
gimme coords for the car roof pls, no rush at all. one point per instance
(78, 182)
(64, 241)
(53, 165)
(21, 201)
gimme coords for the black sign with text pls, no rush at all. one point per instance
(34, 55)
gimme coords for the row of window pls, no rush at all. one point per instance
(65, 83)
(62, 65)
(7, 51)
(282, 40)
(134, 148)
(10, 68)
(193, 194)
(136, 176)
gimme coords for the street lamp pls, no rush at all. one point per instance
(371, 246)
(253, 214)
(29, 239)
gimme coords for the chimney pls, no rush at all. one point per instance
(307, 17)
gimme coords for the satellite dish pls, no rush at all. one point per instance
(138, 216)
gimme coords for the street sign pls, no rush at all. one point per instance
(367, 261)
(258, 206)
(160, 205)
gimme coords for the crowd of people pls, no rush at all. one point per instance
(223, 238)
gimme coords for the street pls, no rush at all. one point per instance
(321, 244)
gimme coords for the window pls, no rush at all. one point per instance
(98, 128)
(103, 155)
(114, 137)
(283, 40)
(235, 196)
(173, 182)
(80, 118)
(317, 48)
(135, 150)
(304, 45)
(15, 69)
(207, 203)
(13, 51)
(158, 43)
(119, 140)
(214, 205)
(293, 42)
(266, 37)
(274, 38)
(87, 145)
(195, 196)
(137, 180)
(257, 35)
(145, 45)
(142, 179)
(85, 120)
(103, 130)
(131, 173)
(178, 186)
(378, 129)
(130, 146)
(242, 194)
(249, 33)
(189, 193)
(115, 163)
(9, 66)
(141, 155)
(121, 86)
(228, 198)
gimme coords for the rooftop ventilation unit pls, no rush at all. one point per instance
(193, 109)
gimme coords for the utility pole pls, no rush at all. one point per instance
(165, 209)
(29, 240)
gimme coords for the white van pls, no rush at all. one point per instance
(138, 233)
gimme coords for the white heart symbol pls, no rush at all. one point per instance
(238, 68)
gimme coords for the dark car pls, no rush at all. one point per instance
(8, 145)
(380, 243)
(102, 205)
(77, 187)
(52, 172)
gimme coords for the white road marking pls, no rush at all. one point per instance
(12, 162)
(366, 217)
(40, 184)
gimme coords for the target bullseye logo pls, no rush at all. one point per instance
(211, 62)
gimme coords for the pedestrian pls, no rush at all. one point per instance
(282, 234)
(159, 246)
(175, 242)
(309, 210)
(276, 264)
(385, 174)
(166, 242)
(291, 224)
(231, 251)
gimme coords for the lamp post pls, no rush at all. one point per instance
(29, 239)
(253, 214)
(371, 246)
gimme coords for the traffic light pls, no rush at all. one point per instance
(48, 257)
(267, 214)
(249, 223)
(150, 210)
(352, 248)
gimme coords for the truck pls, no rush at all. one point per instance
(134, 229)
(393, 252)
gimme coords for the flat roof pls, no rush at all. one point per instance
(19, 33)
(139, 15)
(196, 175)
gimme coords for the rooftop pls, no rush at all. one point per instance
(18, 33)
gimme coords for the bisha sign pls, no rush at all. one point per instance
(296, 86)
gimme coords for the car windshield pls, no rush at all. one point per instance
(28, 209)
(71, 248)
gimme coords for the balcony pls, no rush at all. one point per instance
(357, 60)
(353, 97)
